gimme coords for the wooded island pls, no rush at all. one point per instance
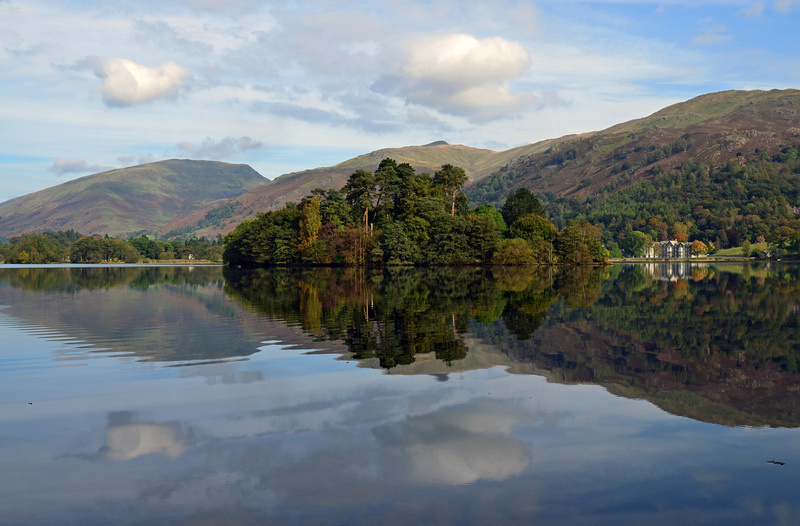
(395, 216)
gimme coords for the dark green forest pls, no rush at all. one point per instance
(73, 247)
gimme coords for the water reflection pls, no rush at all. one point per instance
(430, 427)
(719, 344)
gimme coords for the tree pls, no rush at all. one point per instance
(388, 185)
(449, 242)
(451, 179)
(484, 235)
(699, 248)
(396, 247)
(520, 204)
(579, 244)
(35, 248)
(635, 244)
(88, 249)
(270, 238)
(532, 227)
(310, 223)
(333, 207)
(538, 232)
(513, 252)
(359, 191)
(495, 214)
(746, 248)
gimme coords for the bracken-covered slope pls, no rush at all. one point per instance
(712, 129)
(129, 200)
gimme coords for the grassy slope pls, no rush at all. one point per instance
(120, 202)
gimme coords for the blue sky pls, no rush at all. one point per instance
(283, 86)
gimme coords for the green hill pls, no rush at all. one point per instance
(129, 200)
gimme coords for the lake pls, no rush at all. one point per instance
(657, 394)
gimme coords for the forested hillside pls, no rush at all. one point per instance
(744, 200)
(721, 168)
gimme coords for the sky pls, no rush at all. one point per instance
(87, 86)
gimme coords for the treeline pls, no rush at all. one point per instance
(71, 246)
(744, 202)
(395, 216)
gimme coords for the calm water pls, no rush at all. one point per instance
(630, 395)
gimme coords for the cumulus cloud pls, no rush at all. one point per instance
(126, 83)
(463, 60)
(222, 149)
(66, 166)
(462, 75)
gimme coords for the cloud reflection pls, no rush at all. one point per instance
(129, 440)
(459, 445)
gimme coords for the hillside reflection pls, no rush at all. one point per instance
(159, 314)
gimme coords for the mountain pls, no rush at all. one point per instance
(478, 163)
(713, 129)
(129, 200)
(731, 130)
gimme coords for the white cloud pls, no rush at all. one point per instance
(463, 60)
(713, 36)
(462, 75)
(66, 166)
(126, 83)
(786, 6)
(222, 149)
(753, 11)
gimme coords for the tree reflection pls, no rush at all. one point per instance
(392, 315)
(73, 279)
